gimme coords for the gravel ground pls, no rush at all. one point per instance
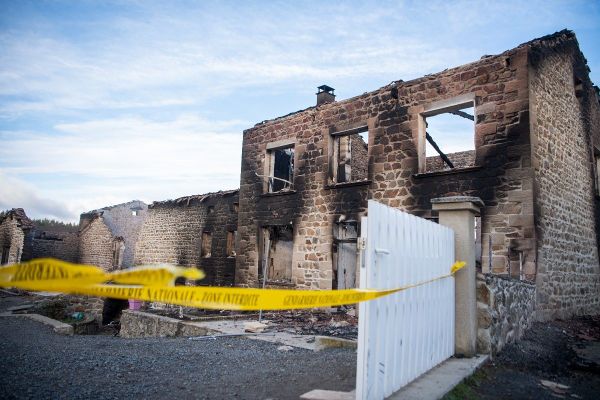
(37, 363)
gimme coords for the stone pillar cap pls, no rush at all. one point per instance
(457, 203)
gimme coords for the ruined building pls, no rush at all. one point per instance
(531, 120)
(15, 233)
(108, 236)
(199, 231)
(58, 241)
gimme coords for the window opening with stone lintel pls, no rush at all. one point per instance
(349, 158)
(280, 169)
(276, 252)
(231, 243)
(206, 246)
(447, 135)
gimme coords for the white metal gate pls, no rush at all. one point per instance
(403, 335)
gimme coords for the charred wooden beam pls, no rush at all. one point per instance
(463, 114)
(435, 146)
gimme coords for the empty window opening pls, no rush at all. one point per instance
(134, 212)
(5, 253)
(345, 254)
(578, 86)
(235, 207)
(350, 158)
(211, 209)
(117, 255)
(278, 243)
(231, 243)
(450, 138)
(206, 248)
(281, 169)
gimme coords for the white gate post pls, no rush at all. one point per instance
(458, 213)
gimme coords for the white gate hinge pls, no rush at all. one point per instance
(362, 244)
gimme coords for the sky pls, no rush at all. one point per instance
(103, 102)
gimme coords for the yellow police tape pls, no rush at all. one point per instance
(48, 274)
(152, 283)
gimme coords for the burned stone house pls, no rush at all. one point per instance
(529, 122)
(59, 241)
(196, 231)
(108, 236)
(15, 234)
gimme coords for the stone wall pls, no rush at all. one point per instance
(460, 159)
(360, 159)
(172, 233)
(502, 175)
(124, 221)
(63, 306)
(505, 310)
(96, 244)
(564, 130)
(60, 245)
(136, 324)
(14, 227)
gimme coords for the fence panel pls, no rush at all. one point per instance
(403, 335)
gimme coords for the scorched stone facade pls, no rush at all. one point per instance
(535, 131)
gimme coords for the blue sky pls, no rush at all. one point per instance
(102, 102)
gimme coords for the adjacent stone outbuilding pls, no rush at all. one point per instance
(15, 233)
(61, 242)
(196, 231)
(107, 236)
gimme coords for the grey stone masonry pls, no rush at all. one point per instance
(505, 309)
(173, 233)
(15, 226)
(122, 223)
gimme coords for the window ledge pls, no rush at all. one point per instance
(348, 184)
(280, 283)
(280, 193)
(447, 172)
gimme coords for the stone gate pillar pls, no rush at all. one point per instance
(458, 213)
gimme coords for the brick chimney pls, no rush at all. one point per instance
(325, 95)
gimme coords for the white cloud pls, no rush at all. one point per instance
(128, 147)
(97, 163)
(15, 193)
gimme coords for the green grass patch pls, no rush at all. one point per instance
(467, 389)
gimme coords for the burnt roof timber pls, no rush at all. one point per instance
(435, 146)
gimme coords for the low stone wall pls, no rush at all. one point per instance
(62, 306)
(505, 310)
(141, 324)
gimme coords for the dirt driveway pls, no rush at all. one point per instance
(559, 359)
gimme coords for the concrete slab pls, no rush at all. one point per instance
(309, 342)
(328, 342)
(430, 386)
(434, 384)
(285, 338)
(59, 327)
(319, 394)
(20, 307)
